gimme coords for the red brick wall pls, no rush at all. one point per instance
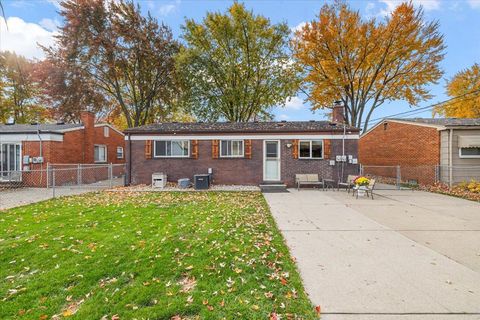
(237, 171)
(415, 148)
(113, 141)
(77, 147)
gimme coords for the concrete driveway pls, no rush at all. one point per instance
(404, 255)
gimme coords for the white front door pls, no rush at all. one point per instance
(271, 160)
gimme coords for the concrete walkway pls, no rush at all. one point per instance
(404, 255)
(23, 196)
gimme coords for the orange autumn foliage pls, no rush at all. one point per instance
(465, 85)
(365, 62)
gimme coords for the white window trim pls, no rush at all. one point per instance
(106, 153)
(310, 157)
(180, 156)
(466, 157)
(123, 153)
(233, 156)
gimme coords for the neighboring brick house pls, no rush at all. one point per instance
(247, 153)
(30, 147)
(426, 150)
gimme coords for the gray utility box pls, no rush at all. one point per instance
(201, 181)
(183, 183)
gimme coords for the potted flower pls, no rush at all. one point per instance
(361, 184)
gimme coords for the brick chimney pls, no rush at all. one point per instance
(88, 121)
(338, 112)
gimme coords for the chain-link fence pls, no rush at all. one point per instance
(407, 177)
(57, 176)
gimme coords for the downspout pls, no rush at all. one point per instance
(129, 180)
(343, 151)
(450, 158)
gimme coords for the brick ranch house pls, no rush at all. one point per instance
(26, 148)
(426, 149)
(247, 153)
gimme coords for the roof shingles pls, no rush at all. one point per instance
(32, 128)
(445, 122)
(239, 127)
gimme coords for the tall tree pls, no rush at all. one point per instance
(365, 62)
(66, 90)
(236, 65)
(129, 57)
(466, 86)
(18, 89)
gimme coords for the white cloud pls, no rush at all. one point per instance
(294, 103)
(475, 4)
(49, 24)
(23, 37)
(298, 27)
(428, 5)
(56, 3)
(166, 9)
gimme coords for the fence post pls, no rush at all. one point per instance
(48, 175)
(110, 174)
(399, 177)
(53, 182)
(79, 175)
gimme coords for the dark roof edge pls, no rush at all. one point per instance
(129, 131)
(33, 132)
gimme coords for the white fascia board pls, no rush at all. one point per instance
(430, 125)
(70, 129)
(110, 126)
(20, 137)
(245, 137)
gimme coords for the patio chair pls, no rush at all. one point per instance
(368, 189)
(309, 179)
(347, 184)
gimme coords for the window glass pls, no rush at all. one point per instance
(311, 149)
(304, 149)
(317, 149)
(119, 153)
(171, 148)
(231, 148)
(225, 146)
(100, 154)
(272, 150)
(470, 152)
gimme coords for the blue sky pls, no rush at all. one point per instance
(32, 21)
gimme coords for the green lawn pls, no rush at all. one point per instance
(147, 256)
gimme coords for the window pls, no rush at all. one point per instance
(470, 152)
(172, 148)
(231, 148)
(100, 153)
(311, 149)
(119, 153)
(106, 132)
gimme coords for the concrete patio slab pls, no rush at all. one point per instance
(355, 261)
